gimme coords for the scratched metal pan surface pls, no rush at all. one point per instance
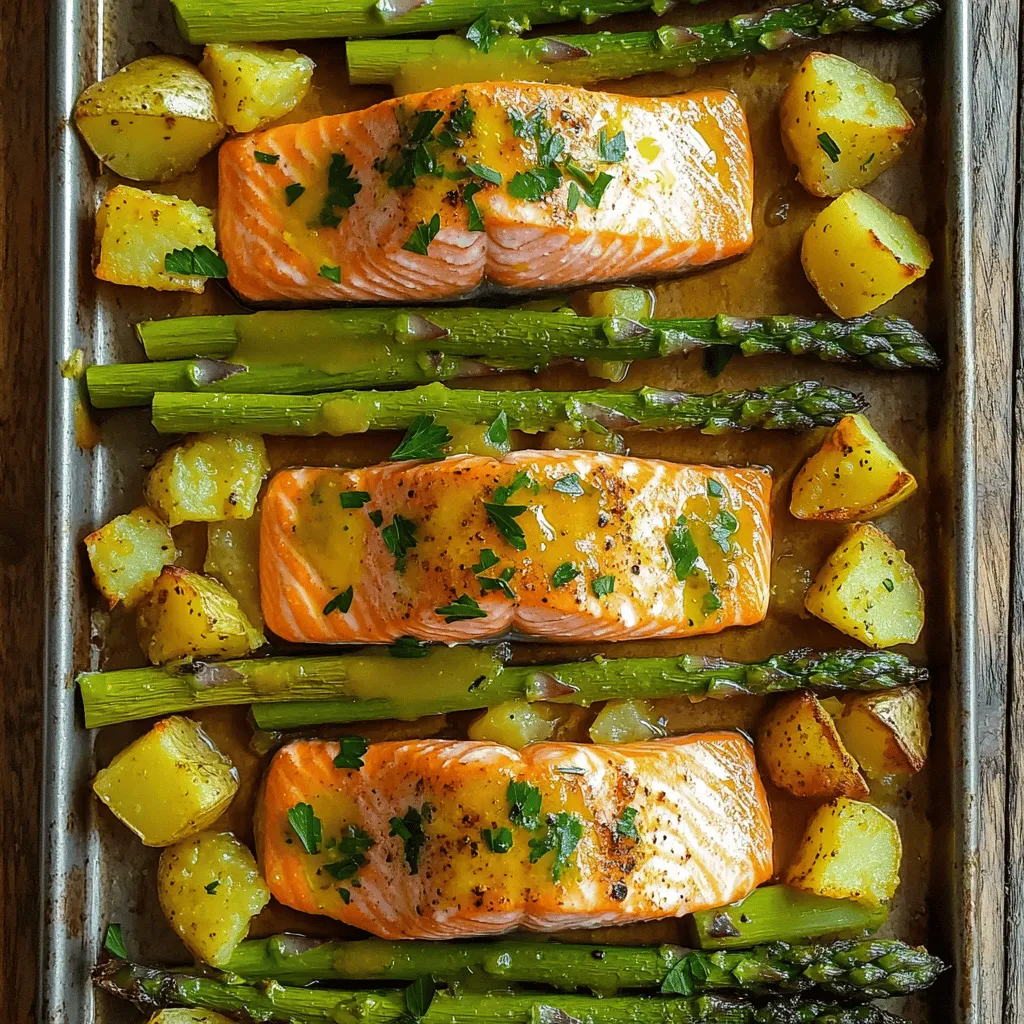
(92, 872)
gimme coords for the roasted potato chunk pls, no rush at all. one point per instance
(233, 558)
(154, 119)
(518, 722)
(170, 783)
(128, 554)
(135, 230)
(627, 721)
(850, 850)
(841, 126)
(188, 615)
(853, 476)
(858, 254)
(255, 84)
(208, 478)
(800, 749)
(210, 889)
(888, 732)
(868, 590)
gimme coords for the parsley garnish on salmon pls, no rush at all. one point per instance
(409, 829)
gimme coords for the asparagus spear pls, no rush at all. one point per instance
(867, 969)
(242, 21)
(152, 988)
(779, 913)
(584, 59)
(797, 406)
(288, 692)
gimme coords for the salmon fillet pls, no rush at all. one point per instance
(353, 196)
(586, 547)
(702, 824)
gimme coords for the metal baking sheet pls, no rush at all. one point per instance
(92, 874)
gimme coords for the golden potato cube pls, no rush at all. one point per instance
(800, 749)
(518, 722)
(841, 126)
(627, 721)
(154, 119)
(208, 477)
(868, 590)
(853, 476)
(179, 1015)
(255, 84)
(887, 732)
(136, 229)
(170, 783)
(850, 850)
(188, 615)
(233, 558)
(210, 889)
(858, 254)
(128, 554)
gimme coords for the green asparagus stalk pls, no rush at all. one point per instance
(417, 64)
(151, 988)
(243, 21)
(779, 913)
(797, 406)
(867, 969)
(289, 692)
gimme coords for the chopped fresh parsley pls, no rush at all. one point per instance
(889, 585)
(520, 480)
(292, 192)
(522, 126)
(488, 560)
(409, 647)
(424, 439)
(611, 150)
(476, 220)
(376, 517)
(574, 197)
(265, 158)
(534, 184)
(485, 172)
(549, 146)
(711, 603)
(828, 144)
(353, 749)
(423, 234)
(340, 602)
(497, 433)
(682, 548)
(724, 525)
(113, 941)
(306, 826)
(426, 122)
(211, 887)
(626, 825)
(679, 981)
(569, 484)
(201, 261)
(342, 189)
(461, 608)
(409, 829)
(400, 537)
(565, 573)
(864, 166)
(483, 33)
(331, 273)
(563, 835)
(460, 120)
(715, 489)
(603, 586)
(352, 849)
(498, 840)
(591, 191)
(354, 499)
(523, 804)
(418, 997)
(504, 518)
(346, 896)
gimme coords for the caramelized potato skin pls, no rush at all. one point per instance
(128, 554)
(169, 784)
(852, 477)
(801, 751)
(850, 850)
(887, 732)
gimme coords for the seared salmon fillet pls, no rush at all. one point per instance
(431, 196)
(565, 545)
(443, 839)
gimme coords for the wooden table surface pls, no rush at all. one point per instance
(23, 382)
